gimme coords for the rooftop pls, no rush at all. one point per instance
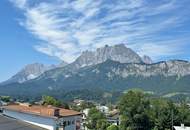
(181, 128)
(42, 110)
(7, 123)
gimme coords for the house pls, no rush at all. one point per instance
(50, 118)
(114, 117)
(103, 109)
(78, 102)
(84, 118)
(2, 103)
(182, 127)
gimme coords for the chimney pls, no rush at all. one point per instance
(182, 126)
(56, 112)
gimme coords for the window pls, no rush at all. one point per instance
(68, 123)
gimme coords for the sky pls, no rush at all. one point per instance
(49, 31)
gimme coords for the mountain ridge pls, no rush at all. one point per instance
(117, 52)
(108, 74)
(87, 58)
(112, 75)
(32, 71)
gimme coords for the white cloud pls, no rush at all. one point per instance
(157, 51)
(68, 27)
(22, 4)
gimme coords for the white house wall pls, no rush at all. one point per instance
(70, 118)
(44, 122)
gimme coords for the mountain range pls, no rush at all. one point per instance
(31, 71)
(110, 68)
(118, 53)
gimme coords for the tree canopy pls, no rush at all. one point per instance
(113, 127)
(96, 120)
(48, 100)
(5, 98)
(142, 112)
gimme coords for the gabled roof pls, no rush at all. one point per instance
(42, 110)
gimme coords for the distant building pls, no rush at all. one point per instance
(114, 117)
(182, 127)
(84, 118)
(50, 118)
(3, 103)
(78, 102)
(85, 113)
(103, 109)
(114, 120)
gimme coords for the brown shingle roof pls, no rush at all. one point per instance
(42, 110)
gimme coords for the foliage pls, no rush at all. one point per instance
(48, 100)
(141, 112)
(113, 127)
(65, 105)
(133, 108)
(75, 107)
(96, 120)
(5, 98)
(184, 111)
(85, 105)
(163, 113)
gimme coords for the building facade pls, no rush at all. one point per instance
(48, 118)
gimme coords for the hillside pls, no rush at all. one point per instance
(162, 77)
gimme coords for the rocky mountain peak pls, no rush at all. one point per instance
(118, 53)
(146, 59)
(62, 64)
(30, 71)
(33, 67)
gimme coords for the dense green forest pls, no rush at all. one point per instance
(86, 80)
(96, 95)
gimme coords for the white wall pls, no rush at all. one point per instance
(70, 118)
(103, 109)
(44, 122)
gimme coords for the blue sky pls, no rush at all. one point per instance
(48, 31)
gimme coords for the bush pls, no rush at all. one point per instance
(113, 127)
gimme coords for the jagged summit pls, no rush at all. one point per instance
(146, 59)
(109, 68)
(30, 71)
(117, 52)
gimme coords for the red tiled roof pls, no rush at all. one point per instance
(42, 110)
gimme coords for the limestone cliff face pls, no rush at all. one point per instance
(146, 59)
(165, 69)
(118, 53)
(110, 67)
(30, 71)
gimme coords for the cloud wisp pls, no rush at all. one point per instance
(65, 27)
